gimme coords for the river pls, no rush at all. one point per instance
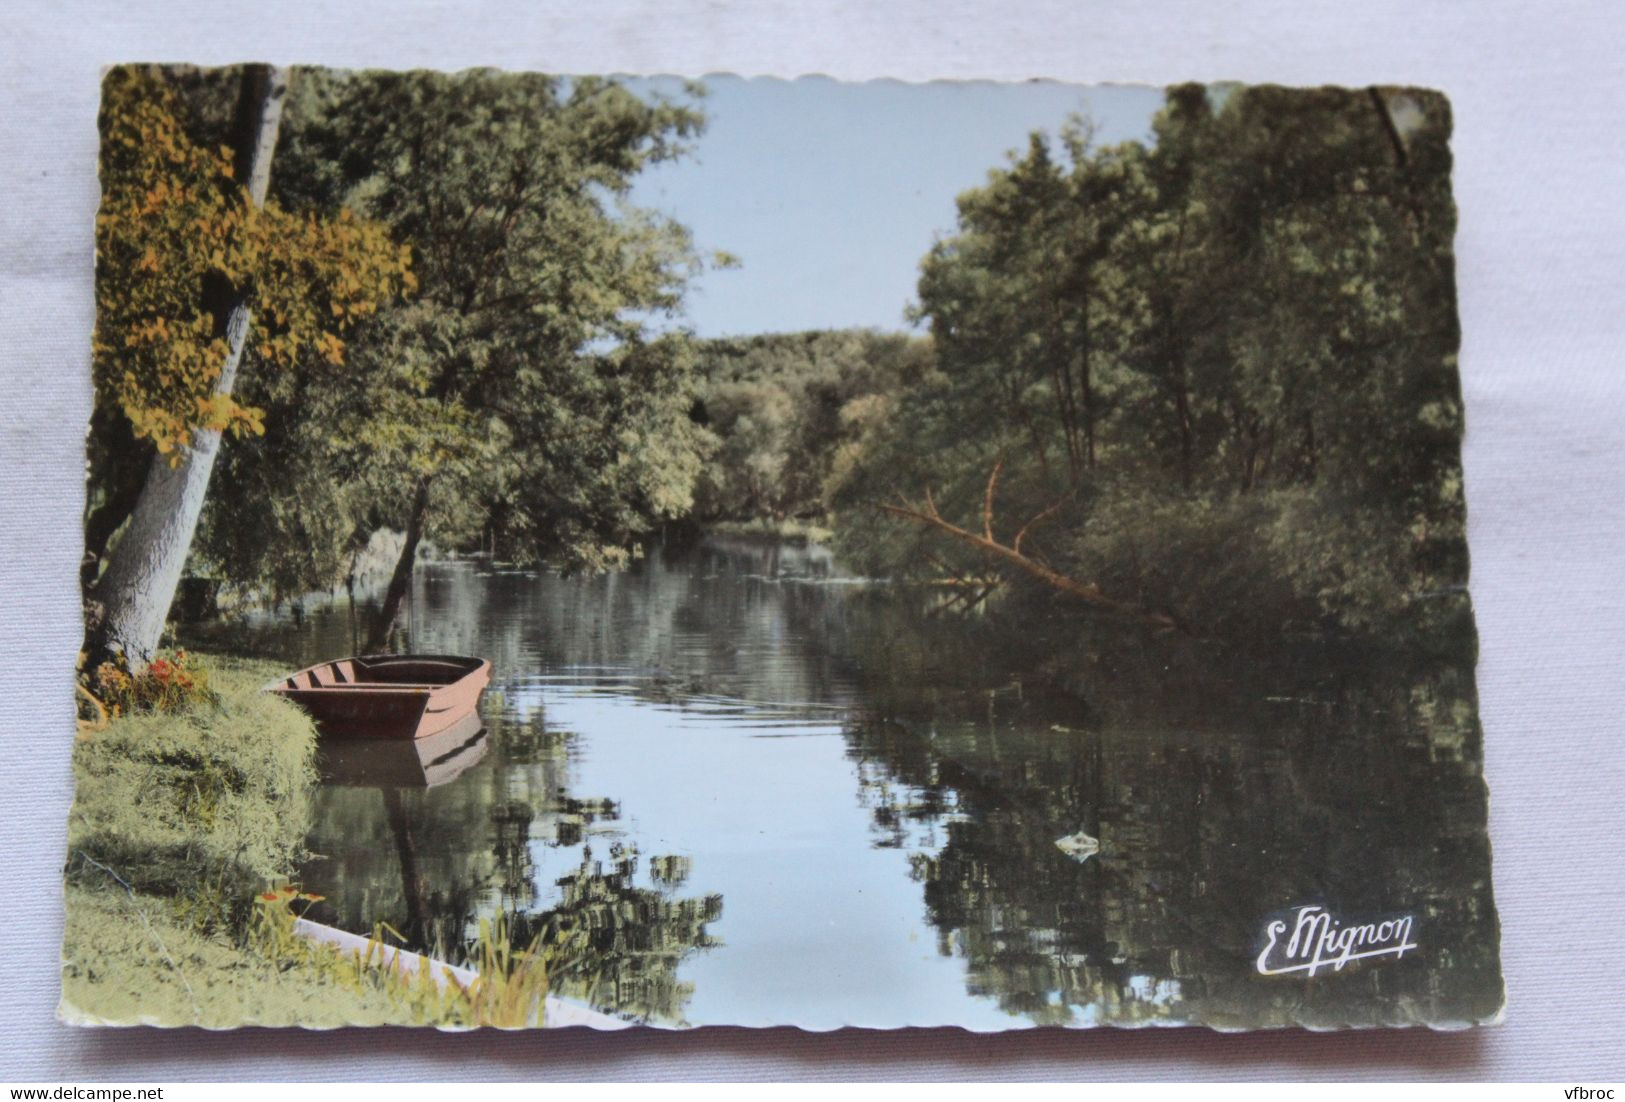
(760, 792)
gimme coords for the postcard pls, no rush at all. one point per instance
(609, 552)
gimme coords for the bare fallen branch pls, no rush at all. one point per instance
(1088, 592)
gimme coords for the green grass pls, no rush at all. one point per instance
(131, 959)
(214, 799)
(139, 960)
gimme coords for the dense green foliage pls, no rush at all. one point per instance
(790, 412)
(1206, 380)
(522, 401)
(1215, 375)
(180, 244)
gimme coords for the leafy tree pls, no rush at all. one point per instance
(187, 254)
(1208, 380)
(789, 409)
(523, 400)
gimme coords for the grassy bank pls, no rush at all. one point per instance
(790, 530)
(180, 824)
(205, 805)
(138, 959)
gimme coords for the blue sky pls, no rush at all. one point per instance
(830, 193)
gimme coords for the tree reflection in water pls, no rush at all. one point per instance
(634, 937)
(1223, 785)
(1355, 799)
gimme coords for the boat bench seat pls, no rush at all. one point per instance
(324, 677)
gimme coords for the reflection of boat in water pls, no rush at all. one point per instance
(390, 696)
(404, 763)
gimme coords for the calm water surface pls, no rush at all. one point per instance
(764, 793)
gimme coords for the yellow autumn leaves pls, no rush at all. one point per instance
(179, 244)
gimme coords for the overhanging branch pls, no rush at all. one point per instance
(1088, 592)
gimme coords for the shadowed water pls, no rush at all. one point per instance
(763, 793)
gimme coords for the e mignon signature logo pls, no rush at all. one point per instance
(1319, 940)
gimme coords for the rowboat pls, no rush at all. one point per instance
(390, 696)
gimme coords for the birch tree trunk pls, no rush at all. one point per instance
(132, 598)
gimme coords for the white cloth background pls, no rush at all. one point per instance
(1540, 179)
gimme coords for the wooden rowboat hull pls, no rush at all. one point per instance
(408, 696)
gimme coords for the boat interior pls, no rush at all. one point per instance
(414, 671)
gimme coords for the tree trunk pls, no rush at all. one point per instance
(1187, 444)
(401, 580)
(1086, 342)
(133, 596)
(1088, 409)
(107, 518)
